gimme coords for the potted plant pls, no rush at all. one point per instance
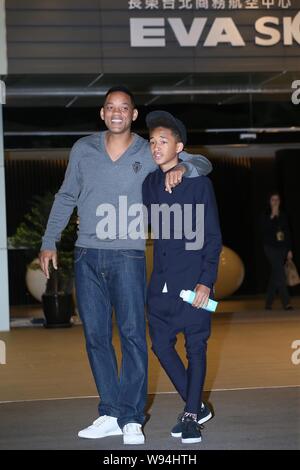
(57, 300)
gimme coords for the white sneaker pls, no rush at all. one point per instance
(103, 426)
(133, 434)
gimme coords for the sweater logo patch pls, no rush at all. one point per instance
(136, 166)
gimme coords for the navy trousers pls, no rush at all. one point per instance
(167, 317)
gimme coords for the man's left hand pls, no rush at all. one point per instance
(174, 177)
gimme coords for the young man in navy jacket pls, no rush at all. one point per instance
(187, 246)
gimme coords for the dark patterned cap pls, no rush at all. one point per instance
(164, 119)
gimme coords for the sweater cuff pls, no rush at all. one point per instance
(188, 168)
(205, 280)
(48, 244)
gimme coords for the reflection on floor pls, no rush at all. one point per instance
(243, 304)
(247, 349)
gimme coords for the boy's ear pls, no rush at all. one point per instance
(102, 113)
(179, 147)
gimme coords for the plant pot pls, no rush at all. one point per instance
(58, 309)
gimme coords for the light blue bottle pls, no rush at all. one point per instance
(189, 295)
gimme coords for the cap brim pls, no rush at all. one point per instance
(163, 118)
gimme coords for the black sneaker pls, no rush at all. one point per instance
(191, 431)
(177, 429)
(204, 415)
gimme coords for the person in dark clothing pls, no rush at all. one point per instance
(177, 266)
(277, 248)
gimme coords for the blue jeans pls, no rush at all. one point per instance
(106, 279)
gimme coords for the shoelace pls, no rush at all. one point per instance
(100, 420)
(191, 423)
(200, 426)
(132, 427)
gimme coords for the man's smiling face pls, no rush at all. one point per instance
(118, 112)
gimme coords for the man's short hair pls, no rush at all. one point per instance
(122, 89)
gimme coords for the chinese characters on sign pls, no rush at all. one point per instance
(209, 4)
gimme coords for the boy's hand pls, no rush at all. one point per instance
(45, 256)
(174, 177)
(202, 296)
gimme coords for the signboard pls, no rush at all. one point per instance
(143, 36)
(216, 35)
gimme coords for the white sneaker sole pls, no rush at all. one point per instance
(192, 440)
(89, 436)
(133, 440)
(201, 421)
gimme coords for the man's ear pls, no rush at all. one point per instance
(179, 147)
(102, 113)
(135, 114)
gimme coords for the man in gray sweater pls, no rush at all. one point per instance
(104, 181)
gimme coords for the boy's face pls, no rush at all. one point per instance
(164, 146)
(118, 112)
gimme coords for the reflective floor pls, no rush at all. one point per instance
(247, 349)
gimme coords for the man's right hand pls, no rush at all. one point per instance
(45, 256)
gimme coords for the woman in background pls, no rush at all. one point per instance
(277, 248)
